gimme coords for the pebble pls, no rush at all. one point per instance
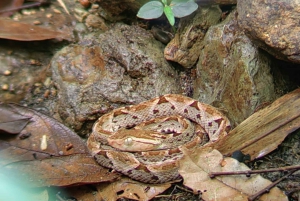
(56, 11)
(5, 87)
(37, 22)
(47, 93)
(85, 3)
(47, 82)
(7, 72)
(48, 15)
(37, 84)
(95, 6)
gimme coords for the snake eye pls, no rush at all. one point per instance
(128, 141)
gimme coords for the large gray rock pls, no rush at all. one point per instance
(273, 25)
(125, 65)
(232, 73)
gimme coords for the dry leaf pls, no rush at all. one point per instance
(263, 131)
(47, 153)
(13, 30)
(59, 171)
(9, 5)
(197, 164)
(11, 122)
(127, 188)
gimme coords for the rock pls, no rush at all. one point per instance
(232, 73)
(183, 48)
(273, 25)
(124, 65)
(95, 21)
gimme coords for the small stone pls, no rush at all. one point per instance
(95, 6)
(47, 82)
(85, 3)
(7, 72)
(48, 15)
(5, 87)
(34, 62)
(46, 93)
(37, 22)
(26, 12)
(95, 22)
(37, 84)
(56, 11)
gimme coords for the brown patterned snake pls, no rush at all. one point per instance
(143, 141)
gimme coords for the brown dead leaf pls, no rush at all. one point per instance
(13, 30)
(127, 188)
(263, 131)
(11, 122)
(6, 5)
(60, 171)
(197, 164)
(47, 153)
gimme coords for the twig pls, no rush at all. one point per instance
(249, 172)
(29, 5)
(268, 188)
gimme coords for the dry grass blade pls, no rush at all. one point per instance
(63, 5)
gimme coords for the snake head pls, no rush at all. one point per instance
(135, 140)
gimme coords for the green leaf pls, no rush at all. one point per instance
(165, 2)
(170, 15)
(182, 8)
(151, 10)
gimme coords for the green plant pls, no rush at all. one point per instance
(176, 8)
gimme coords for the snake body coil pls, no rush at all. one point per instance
(144, 141)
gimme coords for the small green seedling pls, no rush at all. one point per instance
(176, 8)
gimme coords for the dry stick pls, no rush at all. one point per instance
(249, 172)
(30, 5)
(268, 188)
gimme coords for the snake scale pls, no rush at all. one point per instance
(144, 141)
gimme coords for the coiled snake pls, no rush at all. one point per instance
(143, 141)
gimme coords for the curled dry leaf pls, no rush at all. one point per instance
(13, 30)
(195, 169)
(127, 188)
(263, 131)
(46, 153)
